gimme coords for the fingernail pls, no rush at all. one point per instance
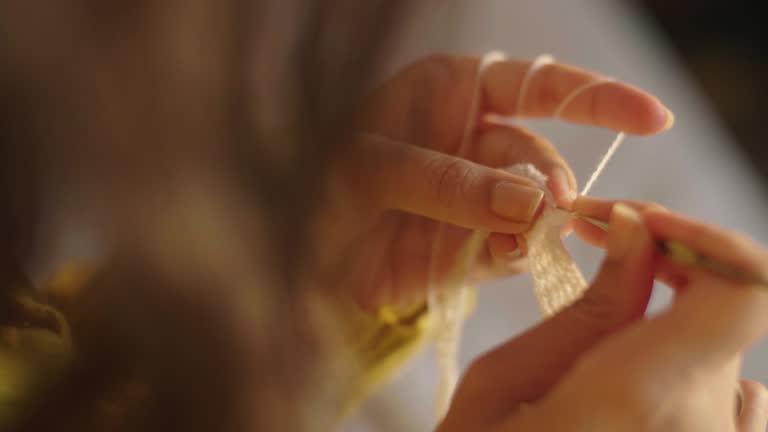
(586, 205)
(622, 230)
(670, 120)
(515, 202)
(515, 254)
(572, 195)
(561, 188)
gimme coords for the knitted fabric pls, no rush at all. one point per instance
(557, 280)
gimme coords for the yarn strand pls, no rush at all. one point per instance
(449, 301)
(603, 162)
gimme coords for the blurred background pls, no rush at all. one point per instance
(722, 45)
(705, 60)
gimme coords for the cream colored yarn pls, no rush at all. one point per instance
(557, 280)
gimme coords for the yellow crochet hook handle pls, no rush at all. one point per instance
(681, 254)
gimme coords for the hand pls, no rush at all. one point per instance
(600, 365)
(376, 233)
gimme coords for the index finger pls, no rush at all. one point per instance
(713, 319)
(610, 104)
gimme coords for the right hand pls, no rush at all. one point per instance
(602, 365)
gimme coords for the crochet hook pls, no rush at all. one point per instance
(681, 254)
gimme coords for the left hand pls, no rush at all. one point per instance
(385, 203)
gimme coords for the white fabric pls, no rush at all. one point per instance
(557, 281)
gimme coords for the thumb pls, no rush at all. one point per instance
(447, 188)
(524, 369)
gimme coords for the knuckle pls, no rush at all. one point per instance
(474, 371)
(520, 149)
(652, 206)
(544, 98)
(435, 76)
(621, 392)
(499, 147)
(741, 240)
(744, 249)
(494, 136)
(450, 176)
(755, 393)
(597, 312)
(594, 111)
(473, 380)
(435, 82)
(437, 66)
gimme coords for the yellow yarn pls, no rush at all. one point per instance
(379, 343)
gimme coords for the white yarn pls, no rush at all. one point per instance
(448, 300)
(614, 145)
(448, 323)
(557, 280)
(603, 162)
(533, 69)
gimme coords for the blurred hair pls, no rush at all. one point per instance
(195, 136)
